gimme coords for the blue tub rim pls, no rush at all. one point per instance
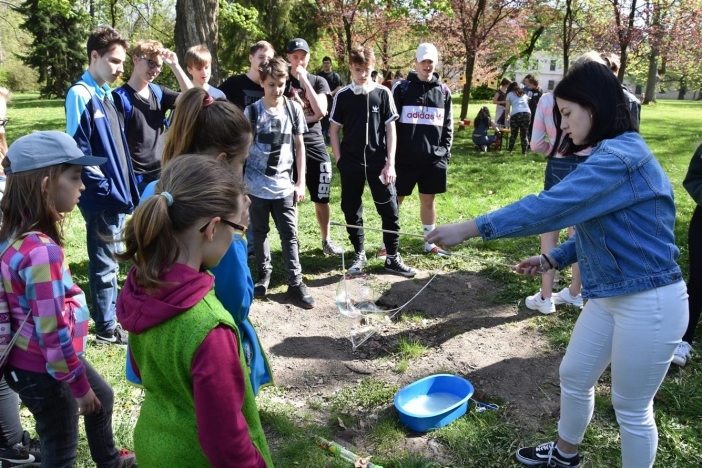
(448, 409)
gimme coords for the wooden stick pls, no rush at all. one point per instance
(332, 223)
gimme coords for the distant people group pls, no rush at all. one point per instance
(202, 170)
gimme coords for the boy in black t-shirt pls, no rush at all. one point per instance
(144, 122)
(334, 81)
(244, 90)
(367, 154)
(311, 91)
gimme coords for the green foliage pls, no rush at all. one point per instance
(57, 50)
(238, 25)
(482, 92)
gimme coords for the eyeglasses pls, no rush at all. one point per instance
(3, 122)
(239, 230)
(152, 64)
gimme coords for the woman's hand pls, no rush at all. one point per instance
(534, 266)
(452, 234)
(88, 404)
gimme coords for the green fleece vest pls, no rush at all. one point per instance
(166, 432)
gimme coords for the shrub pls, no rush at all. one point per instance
(482, 93)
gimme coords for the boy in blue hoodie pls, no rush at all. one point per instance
(110, 190)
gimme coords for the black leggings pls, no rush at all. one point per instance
(694, 283)
(519, 123)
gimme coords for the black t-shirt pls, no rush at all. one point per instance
(320, 86)
(241, 91)
(356, 112)
(145, 128)
(534, 96)
(333, 79)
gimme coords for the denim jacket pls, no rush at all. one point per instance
(621, 204)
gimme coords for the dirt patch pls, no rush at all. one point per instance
(492, 346)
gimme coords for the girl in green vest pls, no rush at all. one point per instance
(199, 408)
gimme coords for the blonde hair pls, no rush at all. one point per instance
(199, 186)
(147, 48)
(206, 126)
(198, 56)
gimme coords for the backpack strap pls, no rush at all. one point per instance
(127, 107)
(253, 118)
(293, 115)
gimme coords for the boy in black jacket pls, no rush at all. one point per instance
(367, 154)
(424, 136)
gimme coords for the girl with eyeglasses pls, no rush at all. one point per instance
(219, 129)
(199, 408)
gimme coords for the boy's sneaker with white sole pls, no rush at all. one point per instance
(682, 354)
(394, 264)
(359, 262)
(546, 455)
(563, 297)
(536, 302)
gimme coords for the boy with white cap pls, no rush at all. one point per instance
(424, 135)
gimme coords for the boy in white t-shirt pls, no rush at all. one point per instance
(198, 61)
(278, 125)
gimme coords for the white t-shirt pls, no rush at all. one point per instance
(518, 104)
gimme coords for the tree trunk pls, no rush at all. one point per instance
(470, 66)
(567, 31)
(682, 91)
(652, 79)
(196, 23)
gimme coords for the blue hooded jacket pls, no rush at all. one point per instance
(106, 188)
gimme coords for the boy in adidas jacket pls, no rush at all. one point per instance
(424, 136)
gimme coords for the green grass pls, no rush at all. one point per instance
(478, 183)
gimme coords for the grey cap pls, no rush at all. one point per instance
(48, 148)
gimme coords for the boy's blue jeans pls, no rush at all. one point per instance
(100, 226)
(56, 414)
(284, 215)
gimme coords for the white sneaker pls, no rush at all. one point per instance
(682, 353)
(563, 297)
(536, 302)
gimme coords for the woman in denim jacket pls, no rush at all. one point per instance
(621, 203)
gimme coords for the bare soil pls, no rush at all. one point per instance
(492, 346)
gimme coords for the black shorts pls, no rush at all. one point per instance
(430, 179)
(318, 180)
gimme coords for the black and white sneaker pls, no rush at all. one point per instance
(359, 261)
(301, 296)
(546, 455)
(394, 264)
(20, 453)
(117, 337)
(330, 248)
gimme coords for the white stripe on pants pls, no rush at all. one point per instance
(637, 334)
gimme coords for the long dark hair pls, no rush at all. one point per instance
(515, 88)
(594, 87)
(483, 117)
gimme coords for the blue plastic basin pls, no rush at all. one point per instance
(433, 402)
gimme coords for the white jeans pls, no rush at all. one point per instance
(637, 334)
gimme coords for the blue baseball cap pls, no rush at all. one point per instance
(44, 149)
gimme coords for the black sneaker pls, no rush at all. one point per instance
(261, 286)
(394, 264)
(545, 455)
(301, 296)
(18, 454)
(359, 261)
(33, 446)
(113, 337)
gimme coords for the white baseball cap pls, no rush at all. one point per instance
(427, 51)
